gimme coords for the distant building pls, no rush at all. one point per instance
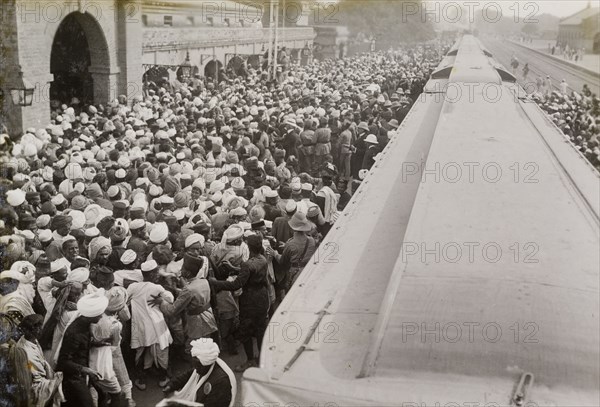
(581, 30)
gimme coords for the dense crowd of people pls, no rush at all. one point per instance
(171, 226)
(577, 115)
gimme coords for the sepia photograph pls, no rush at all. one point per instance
(299, 203)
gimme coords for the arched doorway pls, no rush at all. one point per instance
(156, 74)
(235, 64)
(211, 68)
(295, 56)
(254, 61)
(195, 71)
(79, 44)
(596, 47)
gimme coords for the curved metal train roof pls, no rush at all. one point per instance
(400, 318)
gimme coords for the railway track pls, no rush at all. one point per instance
(542, 66)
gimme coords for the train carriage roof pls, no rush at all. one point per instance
(388, 311)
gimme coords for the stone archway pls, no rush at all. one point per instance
(80, 61)
(254, 61)
(295, 56)
(235, 64)
(212, 68)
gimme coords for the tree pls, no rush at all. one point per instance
(389, 21)
(530, 29)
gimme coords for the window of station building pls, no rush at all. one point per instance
(190, 20)
(168, 21)
(210, 21)
(144, 19)
(242, 23)
(227, 22)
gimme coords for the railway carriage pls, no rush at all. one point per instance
(465, 271)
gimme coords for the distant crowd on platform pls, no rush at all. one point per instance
(577, 115)
(145, 238)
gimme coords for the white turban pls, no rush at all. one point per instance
(92, 305)
(205, 350)
(15, 197)
(232, 233)
(79, 275)
(20, 277)
(159, 232)
(194, 238)
(128, 256)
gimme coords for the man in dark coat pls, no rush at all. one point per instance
(73, 357)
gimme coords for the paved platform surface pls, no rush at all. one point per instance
(153, 393)
(540, 65)
(589, 61)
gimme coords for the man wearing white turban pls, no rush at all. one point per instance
(193, 302)
(150, 335)
(210, 381)
(73, 353)
(227, 258)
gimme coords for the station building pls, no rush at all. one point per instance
(581, 30)
(95, 50)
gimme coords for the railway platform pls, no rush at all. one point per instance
(589, 64)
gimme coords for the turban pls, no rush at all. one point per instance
(128, 257)
(205, 350)
(232, 233)
(43, 221)
(194, 238)
(117, 298)
(271, 194)
(149, 266)
(79, 275)
(239, 211)
(166, 199)
(94, 191)
(92, 232)
(290, 207)
(58, 199)
(105, 224)
(61, 220)
(238, 183)
(44, 235)
(78, 219)
(171, 186)
(79, 202)
(216, 197)
(113, 192)
(232, 157)
(16, 275)
(216, 186)
(181, 200)
(137, 224)
(199, 183)
(92, 305)
(96, 244)
(118, 233)
(15, 197)
(159, 232)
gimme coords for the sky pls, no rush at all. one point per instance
(562, 8)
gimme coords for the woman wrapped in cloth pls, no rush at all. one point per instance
(210, 381)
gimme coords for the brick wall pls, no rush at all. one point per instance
(112, 29)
